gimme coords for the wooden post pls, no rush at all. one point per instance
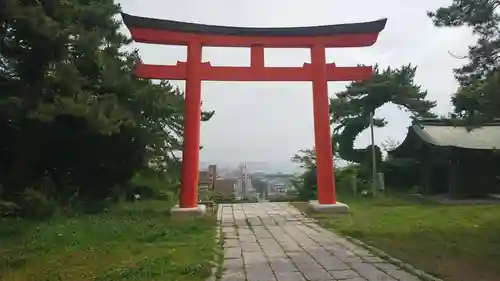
(192, 124)
(322, 135)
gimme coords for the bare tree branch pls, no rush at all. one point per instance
(456, 56)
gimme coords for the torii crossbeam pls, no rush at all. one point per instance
(195, 36)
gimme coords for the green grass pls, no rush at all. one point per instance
(132, 242)
(451, 242)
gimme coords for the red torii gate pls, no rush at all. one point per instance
(195, 36)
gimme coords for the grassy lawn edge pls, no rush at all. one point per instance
(450, 242)
(137, 242)
(383, 255)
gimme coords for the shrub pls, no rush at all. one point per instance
(9, 209)
(35, 204)
(219, 197)
(401, 175)
(305, 185)
(344, 177)
(150, 185)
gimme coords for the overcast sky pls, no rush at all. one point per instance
(269, 122)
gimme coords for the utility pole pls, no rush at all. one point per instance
(374, 160)
(242, 179)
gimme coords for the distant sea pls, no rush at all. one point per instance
(286, 167)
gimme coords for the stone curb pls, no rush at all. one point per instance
(405, 266)
(218, 246)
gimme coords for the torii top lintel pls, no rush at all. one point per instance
(195, 36)
(158, 31)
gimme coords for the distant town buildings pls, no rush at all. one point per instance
(238, 183)
(210, 180)
(244, 188)
(278, 185)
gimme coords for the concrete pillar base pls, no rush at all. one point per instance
(198, 211)
(337, 208)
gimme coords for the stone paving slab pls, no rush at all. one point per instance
(274, 242)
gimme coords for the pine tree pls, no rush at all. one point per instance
(71, 109)
(477, 98)
(351, 108)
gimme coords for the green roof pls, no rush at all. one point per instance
(443, 133)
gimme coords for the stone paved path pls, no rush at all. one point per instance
(274, 242)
